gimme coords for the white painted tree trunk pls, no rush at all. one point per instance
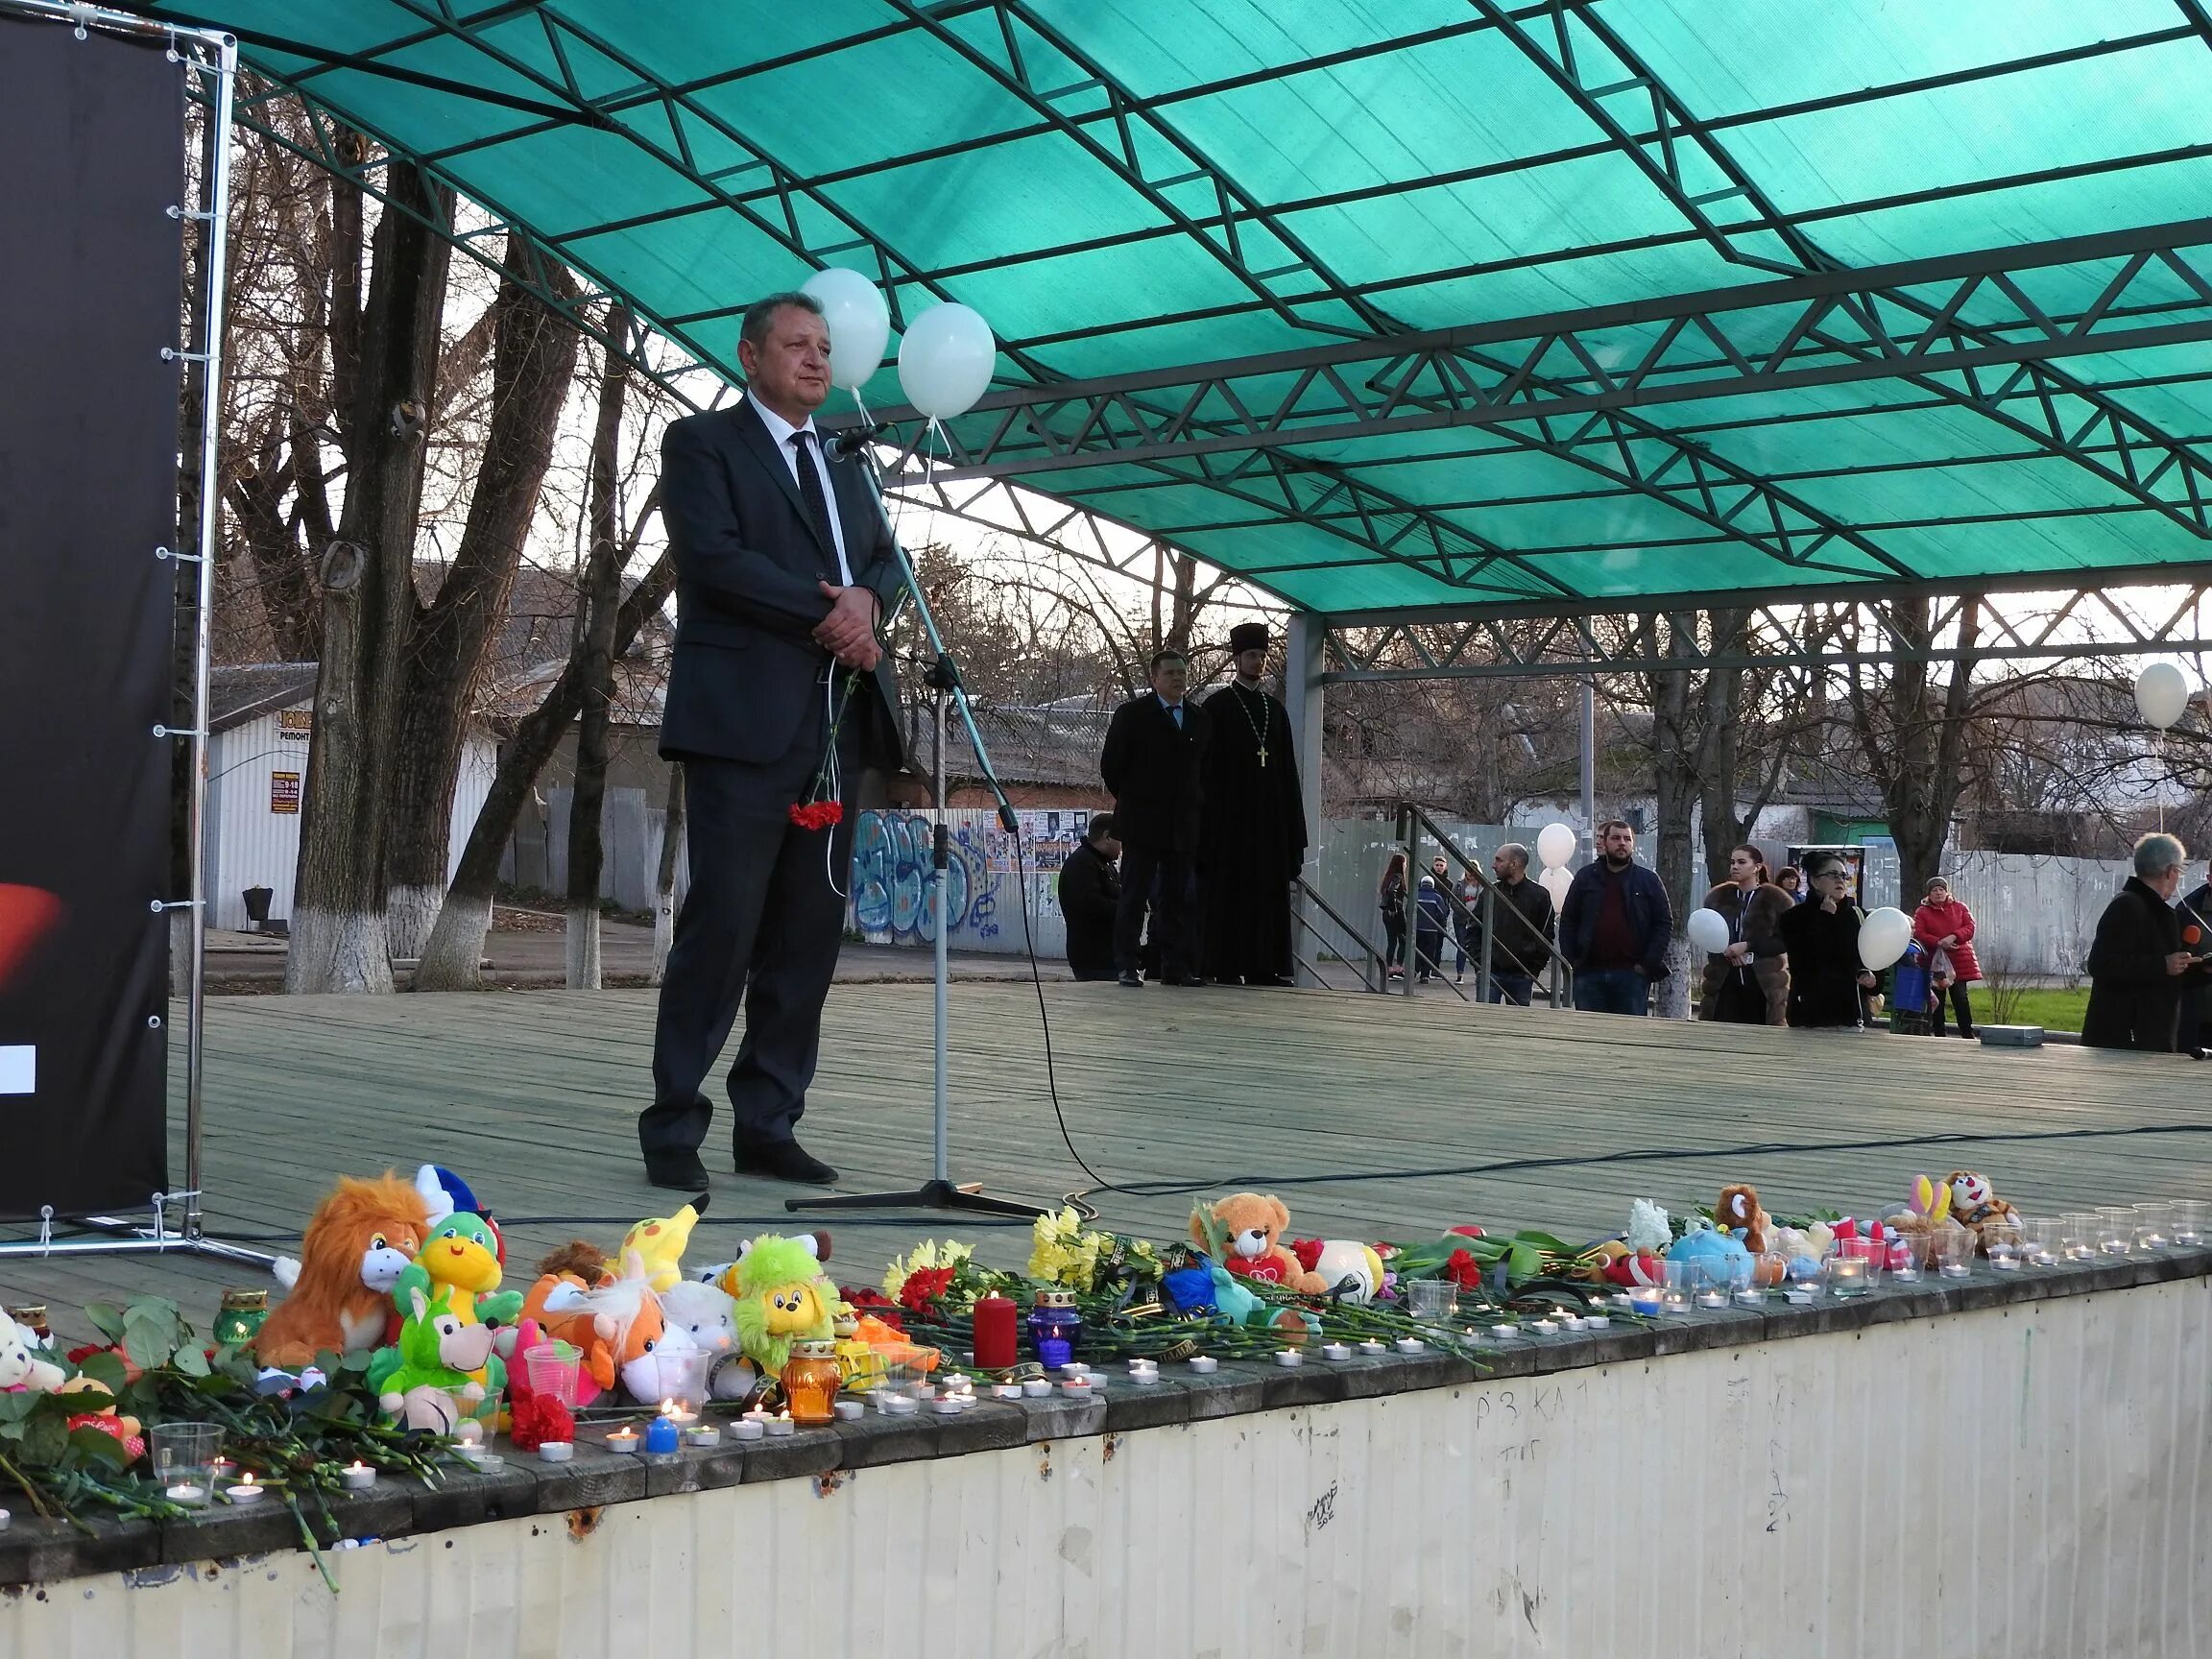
(664, 933)
(452, 955)
(1672, 1001)
(337, 950)
(410, 914)
(583, 947)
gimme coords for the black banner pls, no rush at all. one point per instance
(90, 268)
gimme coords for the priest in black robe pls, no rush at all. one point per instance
(1252, 838)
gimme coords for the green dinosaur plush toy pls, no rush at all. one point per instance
(460, 1261)
(431, 1385)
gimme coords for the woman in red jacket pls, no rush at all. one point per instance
(1943, 923)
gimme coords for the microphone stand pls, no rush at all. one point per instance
(947, 691)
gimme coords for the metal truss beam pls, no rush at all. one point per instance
(1818, 328)
(1778, 634)
(1592, 65)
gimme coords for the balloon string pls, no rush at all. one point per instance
(866, 418)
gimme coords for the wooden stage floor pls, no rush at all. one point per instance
(532, 1097)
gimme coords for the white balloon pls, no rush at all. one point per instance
(859, 323)
(945, 360)
(1708, 931)
(1555, 845)
(1883, 937)
(1556, 882)
(2161, 694)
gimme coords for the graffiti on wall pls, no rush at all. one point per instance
(890, 873)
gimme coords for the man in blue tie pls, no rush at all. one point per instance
(1154, 745)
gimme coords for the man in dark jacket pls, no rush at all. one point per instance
(1090, 895)
(2137, 965)
(1520, 922)
(1154, 747)
(1615, 925)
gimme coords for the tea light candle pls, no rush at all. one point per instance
(1908, 1274)
(1372, 1346)
(1338, 1352)
(623, 1439)
(959, 1387)
(1596, 1321)
(187, 1492)
(1076, 1387)
(660, 1436)
(1751, 1298)
(1147, 1378)
(1504, 1332)
(1036, 1387)
(1712, 1298)
(1570, 1321)
(469, 1433)
(750, 1427)
(1645, 1301)
(221, 1470)
(947, 1406)
(1799, 1295)
(246, 1491)
(702, 1434)
(556, 1450)
(1846, 1275)
(678, 1413)
(1545, 1327)
(1006, 1390)
(357, 1476)
(1290, 1358)
(848, 1410)
(1675, 1301)
(1412, 1345)
(1075, 1369)
(780, 1425)
(1205, 1364)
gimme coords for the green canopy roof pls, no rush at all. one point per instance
(1410, 304)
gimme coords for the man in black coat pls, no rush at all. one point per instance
(784, 570)
(2138, 968)
(1089, 898)
(1155, 745)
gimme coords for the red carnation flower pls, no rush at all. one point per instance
(1308, 1251)
(817, 814)
(1464, 1271)
(923, 1289)
(538, 1420)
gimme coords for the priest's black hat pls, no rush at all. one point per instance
(1247, 637)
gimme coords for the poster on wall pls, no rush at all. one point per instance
(284, 792)
(90, 275)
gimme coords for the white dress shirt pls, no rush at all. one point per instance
(780, 430)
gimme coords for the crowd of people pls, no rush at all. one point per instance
(1191, 878)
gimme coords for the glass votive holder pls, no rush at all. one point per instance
(1954, 1250)
(2189, 1222)
(1432, 1301)
(1856, 1268)
(2078, 1234)
(2042, 1240)
(2001, 1245)
(2115, 1232)
(2154, 1226)
(552, 1367)
(184, 1458)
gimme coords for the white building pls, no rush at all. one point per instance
(260, 729)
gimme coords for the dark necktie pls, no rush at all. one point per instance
(810, 487)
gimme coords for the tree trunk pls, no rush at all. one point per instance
(596, 607)
(1675, 783)
(338, 941)
(450, 959)
(665, 885)
(1915, 749)
(533, 362)
(1723, 710)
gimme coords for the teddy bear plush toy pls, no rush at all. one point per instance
(1738, 1212)
(1976, 1206)
(1253, 1225)
(21, 1369)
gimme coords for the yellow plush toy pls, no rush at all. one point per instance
(660, 1241)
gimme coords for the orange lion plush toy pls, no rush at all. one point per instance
(358, 1242)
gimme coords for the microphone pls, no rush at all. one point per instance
(848, 441)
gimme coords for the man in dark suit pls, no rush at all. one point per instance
(1154, 745)
(784, 570)
(1089, 891)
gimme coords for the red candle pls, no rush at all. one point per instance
(996, 1346)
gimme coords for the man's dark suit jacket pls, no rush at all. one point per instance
(746, 672)
(1152, 768)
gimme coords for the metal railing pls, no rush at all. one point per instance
(1369, 955)
(1556, 973)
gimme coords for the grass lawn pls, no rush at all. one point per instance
(2052, 1010)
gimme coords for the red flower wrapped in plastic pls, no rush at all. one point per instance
(822, 810)
(1309, 1253)
(539, 1420)
(817, 814)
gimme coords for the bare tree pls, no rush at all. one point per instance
(533, 356)
(338, 940)
(1912, 734)
(597, 602)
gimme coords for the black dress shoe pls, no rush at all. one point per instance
(783, 1161)
(681, 1170)
(1192, 979)
(1130, 981)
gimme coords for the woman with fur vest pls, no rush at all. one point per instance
(1944, 928)
(1748, 983)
